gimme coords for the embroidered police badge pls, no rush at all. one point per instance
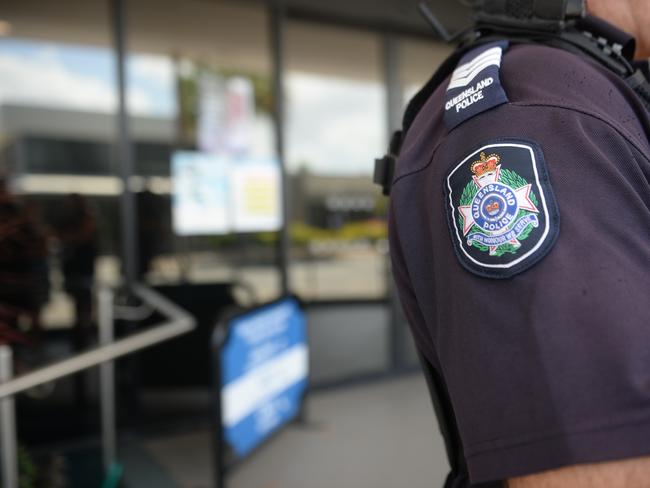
(501, 210)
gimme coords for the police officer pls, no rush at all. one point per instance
(520, 240)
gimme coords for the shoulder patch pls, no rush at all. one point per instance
(501, 210)
(475, 85)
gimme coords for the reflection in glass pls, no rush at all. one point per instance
(335, 129)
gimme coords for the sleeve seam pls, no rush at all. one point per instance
(621, 131)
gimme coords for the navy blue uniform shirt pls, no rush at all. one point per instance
(520, 240)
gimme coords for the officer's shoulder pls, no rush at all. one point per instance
(534, 74)
(537, 75)
(527, 75)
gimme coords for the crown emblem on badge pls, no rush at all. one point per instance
(486, 164)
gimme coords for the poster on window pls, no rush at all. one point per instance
(217, 194)
(200, 194)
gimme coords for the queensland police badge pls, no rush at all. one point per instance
(501, 210)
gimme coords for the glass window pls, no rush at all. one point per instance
(201, 112)
(420, 59)
(58, 189)
(58, 208)
(336, 125)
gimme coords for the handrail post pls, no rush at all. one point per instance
(8, 442)
(107, 380)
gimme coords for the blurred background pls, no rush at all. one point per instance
(216, 154)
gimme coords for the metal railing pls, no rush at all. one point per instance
(178, 322)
